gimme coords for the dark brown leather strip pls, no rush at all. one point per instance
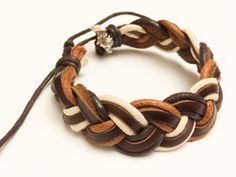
(69, 61)
(155, 34)
(174, 141)
(193, 109)
(142, 143)
(217, 72)
(143, 42)
(99, 107)
(190, 104)
(85, 103)
(204, 54)
(186, 55)
(59, 91)
(184, 96)
(124, 116)
(165, 117)
(107, 135)
(74, 119)
(220, 99)
(208, 89)
(152, 28)
(200, 130)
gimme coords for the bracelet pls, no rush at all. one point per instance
(143, 125)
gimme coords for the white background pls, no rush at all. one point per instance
(31, 37)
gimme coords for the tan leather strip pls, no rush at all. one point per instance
(163, 116)
(107, 132)
(190, 108)
(142, 143)
(102, 127)
(156, 104)
(186, 55)
(163, 125)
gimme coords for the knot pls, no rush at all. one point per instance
(107, 38)
(68, 45)
(68, 61)
(75, 58)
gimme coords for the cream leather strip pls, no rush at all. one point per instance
(166, 149)
(180, 127)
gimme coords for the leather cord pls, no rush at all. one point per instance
(27, 109)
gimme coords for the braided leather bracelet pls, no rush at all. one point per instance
(143, 125)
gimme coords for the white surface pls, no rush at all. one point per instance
(31, 37)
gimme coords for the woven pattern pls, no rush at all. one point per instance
(143, 125)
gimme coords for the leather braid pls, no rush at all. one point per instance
(143, 125)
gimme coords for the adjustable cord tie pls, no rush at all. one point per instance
(106, 39)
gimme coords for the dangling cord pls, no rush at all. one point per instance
(37, 92)
(27, 108)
